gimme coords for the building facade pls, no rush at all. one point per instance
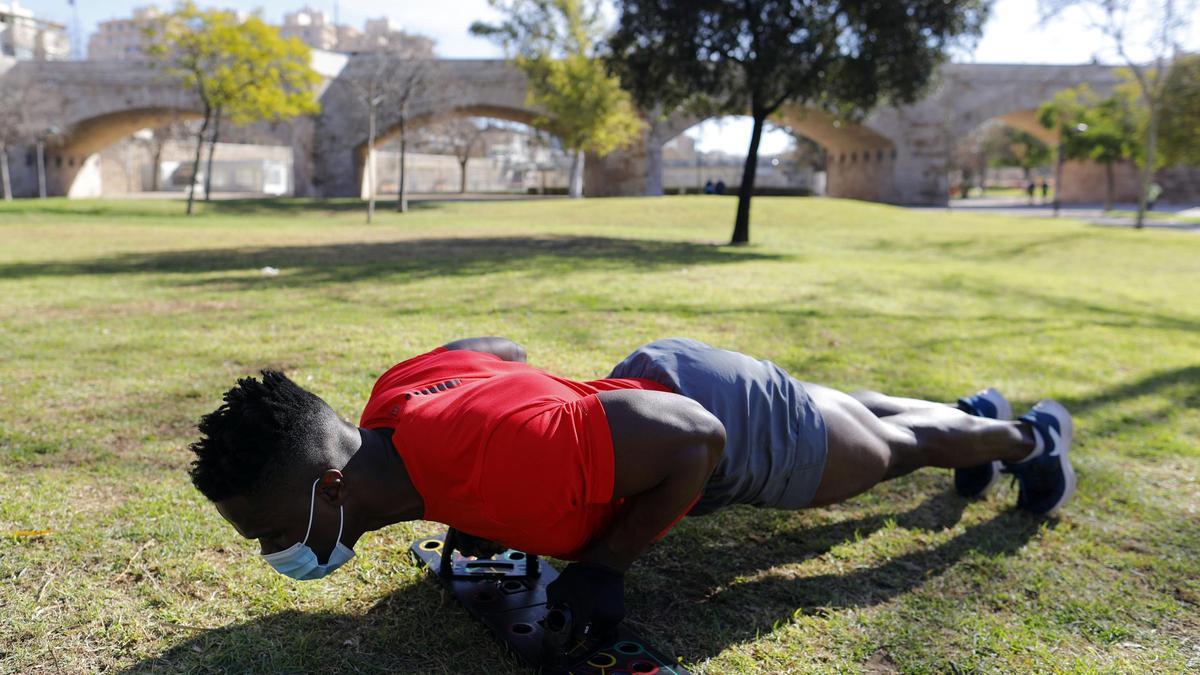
(311, 27)
(123, 39)
(28, 38)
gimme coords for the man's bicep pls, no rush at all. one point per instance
(653, 432)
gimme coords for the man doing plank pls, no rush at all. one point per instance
(511, 456)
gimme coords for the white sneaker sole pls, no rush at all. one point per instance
(1068, 431)
(996, 466)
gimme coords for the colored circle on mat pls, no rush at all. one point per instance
(643, 666)
(629, 647)
(596, 662)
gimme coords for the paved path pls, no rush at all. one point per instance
(1182, 216)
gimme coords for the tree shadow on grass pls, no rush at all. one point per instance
(973, 248)
(1177, 391)
(1066, 307)
(411, 258)
(1184, 381)
(735, 594)
(693, 596)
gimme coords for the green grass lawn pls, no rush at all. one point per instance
(122, 322)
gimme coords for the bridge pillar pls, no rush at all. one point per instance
(921, 160)
(633, 171)
(861, 173)
(68, 174)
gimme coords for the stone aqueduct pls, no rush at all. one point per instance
(897, 154)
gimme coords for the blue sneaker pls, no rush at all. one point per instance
(1046, 478)
(975, 481)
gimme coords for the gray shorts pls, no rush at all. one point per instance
(775, 438)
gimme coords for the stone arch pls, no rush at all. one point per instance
(72, 161)
(1026, 120)
(960, 98)
(1012, 94)
(860, 158)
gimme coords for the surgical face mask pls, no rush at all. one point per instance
(300, 562)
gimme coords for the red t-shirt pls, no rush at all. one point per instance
(510, 453)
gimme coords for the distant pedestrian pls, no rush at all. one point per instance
(720, 186)
(709, 188)
(1153, 192)
(1029, 188)
(1045, 190)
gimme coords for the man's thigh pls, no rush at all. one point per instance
(859, 446)
(775, 441)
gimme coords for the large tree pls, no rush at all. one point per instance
(737, 57)
(392, 80)
(1181, 113)
(237, 67)
(556, 44)
(1147, 36)
(1090, 128)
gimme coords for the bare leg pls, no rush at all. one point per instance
(865, 449)
(882, 405)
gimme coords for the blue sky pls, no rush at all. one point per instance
(1013, 35)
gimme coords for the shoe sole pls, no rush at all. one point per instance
(1068, 431)
(996, 466)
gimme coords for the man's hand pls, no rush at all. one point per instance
(593, 594)
(469, 544)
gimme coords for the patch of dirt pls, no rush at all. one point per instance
(880, 663)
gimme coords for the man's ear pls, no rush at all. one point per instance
(332, 488)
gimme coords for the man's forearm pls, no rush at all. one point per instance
(645, 515)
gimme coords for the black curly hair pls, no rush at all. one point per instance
(254, 432)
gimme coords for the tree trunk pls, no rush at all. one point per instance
(212, 147)
(371, 163)
(156, 166)
(1148, 168)
(654, 165)
(1110, 186)
(5, 181)
(402, 190)
(196, 161)
(653, 138)
(1058, 170)
(41, 168)
(462, 182)
(575, 187)
(741, 226)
